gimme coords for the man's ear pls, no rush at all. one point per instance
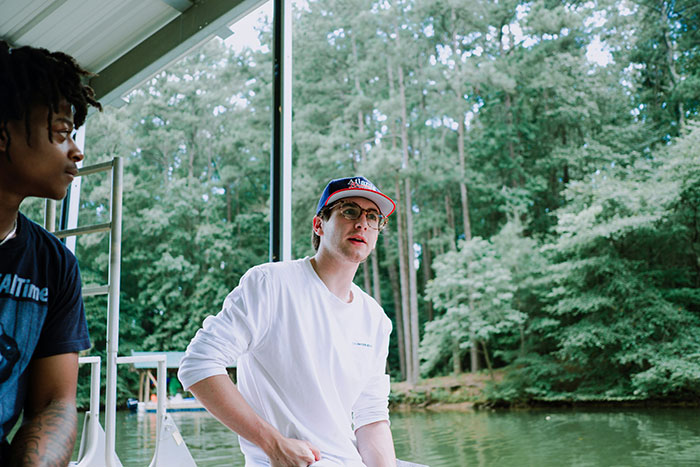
(3, 139)
(317, 225)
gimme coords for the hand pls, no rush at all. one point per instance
(221, 397)
(289, 452)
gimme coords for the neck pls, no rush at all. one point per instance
(335, 273)
(8, 215)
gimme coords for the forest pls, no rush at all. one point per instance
(548, 221)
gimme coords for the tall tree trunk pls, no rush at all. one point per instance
(228, 204)
(192, 151)
(458, 87)
(441, 246)
(376, 289)
(413, 362)
(488, 360)
(367, 278)
(398, 318)
(511, 145)
(462, 183)
(450, 222)
(670, 58)
(456, 357)
(409, 373)
(403, 280)
(427, 273)
(358, 88)
(517, 181)
(473, 351)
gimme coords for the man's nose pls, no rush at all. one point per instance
(75, 153)
(362, 221)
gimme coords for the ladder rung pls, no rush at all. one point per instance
(91, 169)
(143, 358)
(84, 230)
(95, 290)
(84, 360)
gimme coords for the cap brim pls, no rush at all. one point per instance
(385, 204)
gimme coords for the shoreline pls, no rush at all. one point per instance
(543, 405)
(460, 392)
(466, 392)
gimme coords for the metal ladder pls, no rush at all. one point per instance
(97, 446)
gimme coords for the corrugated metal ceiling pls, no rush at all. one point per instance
(125, 41)
(97, 32)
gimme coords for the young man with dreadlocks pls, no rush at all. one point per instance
(42, 320)
(309, 345)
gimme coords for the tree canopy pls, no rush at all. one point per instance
(547, 217)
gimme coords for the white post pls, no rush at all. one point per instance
(162, 395)
(161, 392)
(113, 313)
(287, 133)
(50, 215)
(74, 201)
(281, 154)
(92, 432)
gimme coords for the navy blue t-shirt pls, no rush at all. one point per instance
(41, 310)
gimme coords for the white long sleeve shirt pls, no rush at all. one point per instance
(308, 363)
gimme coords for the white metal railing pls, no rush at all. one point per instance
(169, 446)
(114, 227)
(92, 431)
(161, 394)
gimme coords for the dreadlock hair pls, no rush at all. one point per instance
(31, 76)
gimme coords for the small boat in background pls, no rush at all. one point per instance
(177, 403)
(147, 401)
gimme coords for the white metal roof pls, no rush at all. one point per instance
(124, 41)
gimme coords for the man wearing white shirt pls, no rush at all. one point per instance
(309, 345)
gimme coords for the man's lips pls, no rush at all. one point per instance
(72, 171)
(357, 239)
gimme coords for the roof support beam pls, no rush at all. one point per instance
(180, 5)
(281, 160)
(197, 24)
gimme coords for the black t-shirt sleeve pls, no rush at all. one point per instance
(65, 329)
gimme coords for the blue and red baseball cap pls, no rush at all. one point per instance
(355, 186)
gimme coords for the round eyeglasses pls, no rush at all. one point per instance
(352, 211)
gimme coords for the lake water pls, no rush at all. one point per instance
(605, 437)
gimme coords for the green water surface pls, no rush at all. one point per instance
(617, 437)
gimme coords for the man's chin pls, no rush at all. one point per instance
(56, 194)
(359, 258)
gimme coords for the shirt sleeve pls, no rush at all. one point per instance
(373, 403)
(239, 327)
(65, 329)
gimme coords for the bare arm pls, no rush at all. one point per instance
(375, 444)
(223, 400)
(50, 424)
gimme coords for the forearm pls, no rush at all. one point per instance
(223, 400)
(47, 438)
(376, 445)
